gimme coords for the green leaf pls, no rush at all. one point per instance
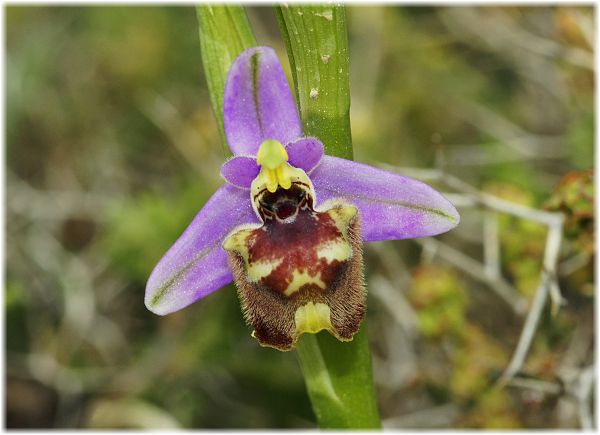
(317, 44)
(338, 375)
(224, 33)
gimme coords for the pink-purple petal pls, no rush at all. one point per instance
(240, 171)
(391, 206)
(258, 103)
(196, 265)
(305, 153)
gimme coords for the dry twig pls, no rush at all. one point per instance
(472, 197)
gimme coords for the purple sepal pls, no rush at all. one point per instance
(240, 171)
(196, 265)
(258, 103)
(305, 153)
(391, 206)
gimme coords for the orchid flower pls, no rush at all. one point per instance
(288, 224)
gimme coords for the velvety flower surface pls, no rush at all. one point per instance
(289, 222)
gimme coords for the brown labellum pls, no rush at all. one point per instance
(301, 271)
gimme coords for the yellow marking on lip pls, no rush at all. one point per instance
(312, 318)
(237, 242)
(342, 215)
(302, 278)
(338, 249)
(261, 269)
(256, 270)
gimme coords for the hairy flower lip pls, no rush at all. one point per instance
(300, 276)
(259, 105)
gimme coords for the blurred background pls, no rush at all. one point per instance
(112, 148)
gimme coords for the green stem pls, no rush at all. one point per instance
(339, 380)
(224, 33)
(338, 375)
(318, 380)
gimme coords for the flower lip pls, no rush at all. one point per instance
(300, 275)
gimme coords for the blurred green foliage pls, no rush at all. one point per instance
(574, 196)
(112, 148)
(441, 302)
(522, 241)
(140, 231)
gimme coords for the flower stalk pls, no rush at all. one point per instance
(338, 374)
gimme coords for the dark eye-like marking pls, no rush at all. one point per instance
(265, 205)
(278, 203)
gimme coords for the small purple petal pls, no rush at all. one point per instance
(196, 265)
(305, 153)
(258, 103)
(391, 206)
(240, 171)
